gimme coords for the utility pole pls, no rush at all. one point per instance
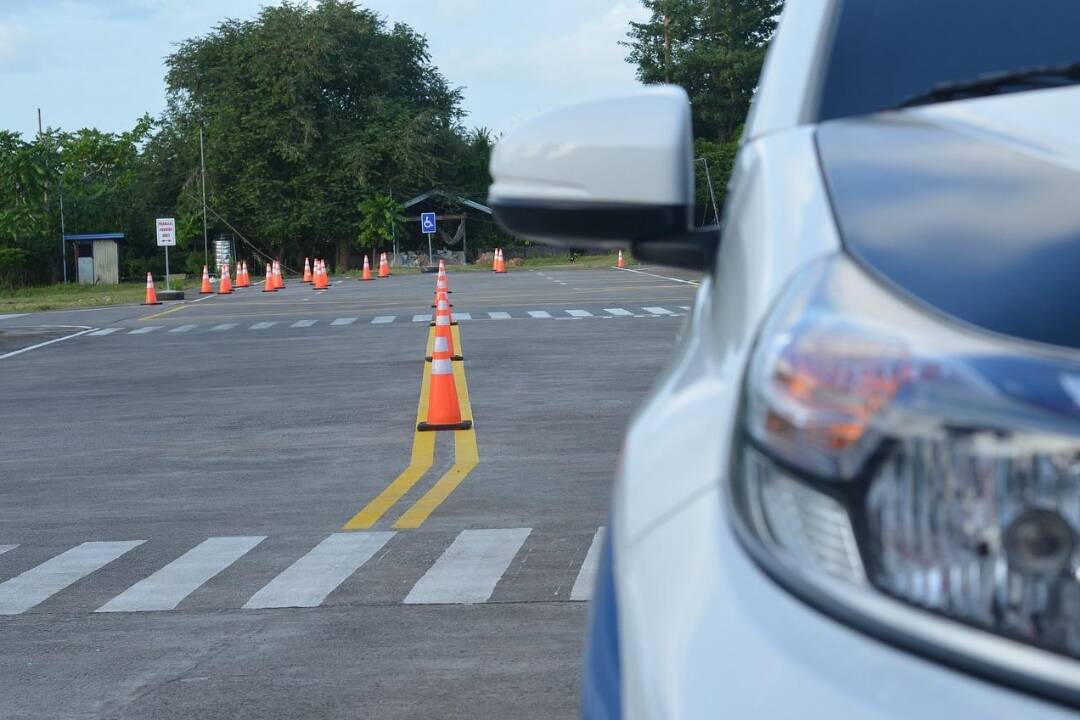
(667, 49)
(202, 164)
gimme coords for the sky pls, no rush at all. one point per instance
(100, 63)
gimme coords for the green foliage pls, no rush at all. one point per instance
(380, 220)
(716, 48)
(720, 159)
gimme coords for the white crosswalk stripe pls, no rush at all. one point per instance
(304, 323)
(224, 326)
(462, 316)
(344, 321)
(583, 585)
(684, 307)
(308, 581)
(5, 548)
(539, 314)
(620, 312)
(167, 587)
(144, 330)
(470, 568)
(105, 331)
(421, 318)
(579, 313)
(39, 583)
(499, 315)
(263, 325)
(184, 328)
(382, 319)
(657, 310)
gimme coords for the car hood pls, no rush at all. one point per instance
(971, 207)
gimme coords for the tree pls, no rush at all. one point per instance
(380, 219)
(307, 111)
(713, 48)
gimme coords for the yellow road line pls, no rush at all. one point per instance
(163, 312)
(423, 455)
(466, 457)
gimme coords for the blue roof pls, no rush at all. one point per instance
(86, 237)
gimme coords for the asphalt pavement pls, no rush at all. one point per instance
(221, 508)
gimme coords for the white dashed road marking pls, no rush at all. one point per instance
(344, 321)
(38, 584)
(308, 581)
(382, 319)
(579, 313)
(583, 585)
(657, 310)
(224, 326)
(263, 325)
(104, 331)
(499, 315)
(144, 330)
(539, 314)
(469, 569)
(421, 318)
(184, 328)
(304, 323)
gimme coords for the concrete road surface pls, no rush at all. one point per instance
(221, 508)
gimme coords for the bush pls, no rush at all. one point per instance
(12, 266)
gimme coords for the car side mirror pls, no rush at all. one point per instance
(614, 173)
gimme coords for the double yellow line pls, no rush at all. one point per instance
(466, 457)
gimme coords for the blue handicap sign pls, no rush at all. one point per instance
(427, 222)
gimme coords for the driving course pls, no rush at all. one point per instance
(222, 507)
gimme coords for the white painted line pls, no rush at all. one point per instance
(304, 323)
(421, 318)
(20, 351)
(583, 585)
(462, 316)
(662, 277)
(184, 328)
(469, 569)
(539, 314)
(144, 330)
(579, 313)
(263, 325)
(104, 331)
(39, 583)
(657, 310)
(618, 311)
(11, 315)
(344, 321)
(308, 581)
(224, 326)
(684, 307)
(384, 319)
(6, 548)
(166, 588)
(499, 315)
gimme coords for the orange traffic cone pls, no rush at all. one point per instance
(495, 260)
(279, 281)
(366, 275)
(444, 412)
(225, 285)
(245, 277)
(322, 282)
(239, 282)
(206, 289)
(268, 283)
(307, 272)
(501, 266)
(619, 262)
(151, 295)
(442, 283)
(444, 336)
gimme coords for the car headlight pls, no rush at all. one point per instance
(915, 477)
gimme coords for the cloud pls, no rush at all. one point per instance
(590, 53)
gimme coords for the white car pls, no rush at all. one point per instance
(855, 491)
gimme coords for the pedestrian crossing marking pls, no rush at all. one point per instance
(167, 587)
(303, 323)
(539, 314)
(183, 328)
(583, 585)
(462, 316)
(579, 313)
(263, 325)
(308, 581)
(382, 319)
(657, 310)
(144, 330)
(344, 321)
(105, 331)
(499, 315)
(421, 318)
(39, 583)
(224, 326)
(469, 569)
(619, 312)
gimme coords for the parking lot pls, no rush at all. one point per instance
(222, 507)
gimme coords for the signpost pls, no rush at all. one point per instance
(427, 226)
(166, 236)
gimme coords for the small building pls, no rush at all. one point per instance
(97, 257)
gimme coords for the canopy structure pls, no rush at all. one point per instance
(443, 205)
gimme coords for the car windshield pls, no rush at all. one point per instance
(883, 53)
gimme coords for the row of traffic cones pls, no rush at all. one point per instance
(444, 410)
(498, 263)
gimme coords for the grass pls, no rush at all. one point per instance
(74, 296)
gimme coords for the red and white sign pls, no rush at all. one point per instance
(166, 232)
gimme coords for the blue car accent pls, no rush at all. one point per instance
(601, 675)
